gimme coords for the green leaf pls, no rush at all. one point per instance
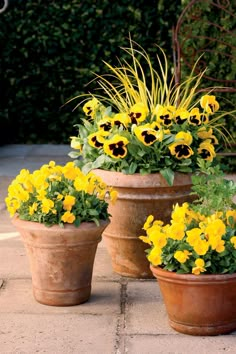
(74, 154)
(169, 175)
(93, 212)
(87, 167)
(132, 168)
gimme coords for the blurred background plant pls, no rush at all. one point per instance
(48, 54)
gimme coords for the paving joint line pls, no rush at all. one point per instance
(121, 321)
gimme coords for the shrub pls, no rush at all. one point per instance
(48, 54)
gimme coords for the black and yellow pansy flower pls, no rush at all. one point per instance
(203, 133)
(90, 107)
(181, 115)
(181, 147)
(164, 115)
(209, 104)
(138, 113)
(105, 124)
(96, 139)
(197, 118)
(116, 146)
(121, 119)
(147, 135)
(184, 136)
(206, 150)
(156, 126)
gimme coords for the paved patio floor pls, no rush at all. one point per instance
(122, 316)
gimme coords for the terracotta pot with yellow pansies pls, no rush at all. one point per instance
(60, 213)
(193, 257)
(141, 124)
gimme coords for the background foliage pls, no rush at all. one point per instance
(208, 28)
(49, 53)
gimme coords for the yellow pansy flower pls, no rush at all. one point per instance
(165, 115)
(148, 222)
(154, 256)
(197, 118)
(47, 205)
(70, 171)
(138, 113)
(177, 230)
(33, 208)
(145, 239)
(233, 241)
(201, 247)
(90, 107)
(181, 115)
(206, 150)
(199, 267)
(121, 119)
(116, 146)
(209, 104)
(146, 135)
(193, 236)
(68, 202)
(68, 217)
(182, 256)
(215, 228)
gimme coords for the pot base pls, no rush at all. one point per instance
(211, 330)
(127, 256)
(62, 298)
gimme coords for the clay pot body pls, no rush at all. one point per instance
(61, 260)
(138, 197)
(199, 304)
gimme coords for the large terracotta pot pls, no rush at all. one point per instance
(199, 304)
(138, 197)
(61, 260)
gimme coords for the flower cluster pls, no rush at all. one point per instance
(193, 243)
(200, 237)
(57, 194)
(139, 140)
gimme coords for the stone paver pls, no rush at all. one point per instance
(56, 334)
(122, 316)
(180, 344)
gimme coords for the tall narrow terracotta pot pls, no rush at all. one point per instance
(199, 304)
(61, 260)
(138, 197)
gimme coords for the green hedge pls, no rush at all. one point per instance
(49, 51)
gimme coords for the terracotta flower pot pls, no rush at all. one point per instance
(199, 304)
(61, 260)
(138, 197)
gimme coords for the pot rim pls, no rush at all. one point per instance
(160, 273)
(136, 180)
(17, 221)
